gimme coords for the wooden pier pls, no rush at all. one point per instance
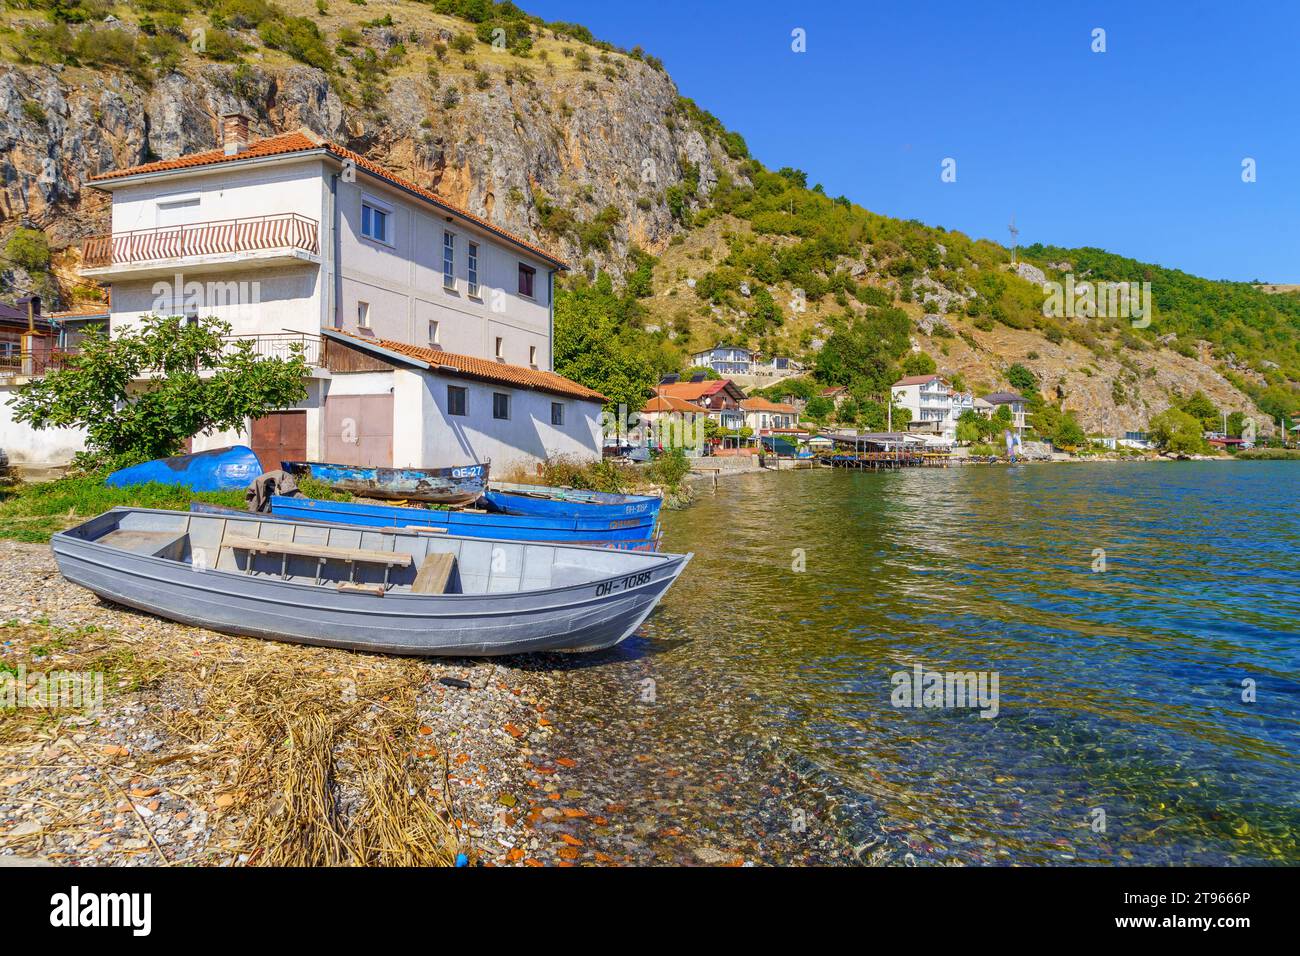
(887, 460)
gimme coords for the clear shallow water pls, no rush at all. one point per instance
(1119, 690)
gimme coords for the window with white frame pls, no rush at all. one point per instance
(433, 331)
(500, 405)
(557, 413)
(532, 355)
(363, 315)
(374, 221)
(449, 260)
(501, 348)
(457, 399)
(471, 269)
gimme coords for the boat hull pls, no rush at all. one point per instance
(221, 469)
(637, 532)
(596, 614)
(545, 502)
(448, 486)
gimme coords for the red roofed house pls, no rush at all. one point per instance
(428, 328)
(762, 415)
(720, 397)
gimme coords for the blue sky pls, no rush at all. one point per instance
(1137, 150)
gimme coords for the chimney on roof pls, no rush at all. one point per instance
(234, 133)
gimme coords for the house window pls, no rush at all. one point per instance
(433, 332)
(500, 405)
(363, 315)
(456, 400)
(557, 413)
(501, 348)
(472, 269)
(526, 276)
(448, 260)
(532, 355)
(374, 222)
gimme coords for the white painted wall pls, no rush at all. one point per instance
(428, 437)
(29, 448)
(402, 281)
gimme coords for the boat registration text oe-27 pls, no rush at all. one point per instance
(605, 588)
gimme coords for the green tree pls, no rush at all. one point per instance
(598, 344)
(141, 393)
(1175, 430)
(1200, 407)
(919, 363)
(28, 248)
(819, 409)
(1022, 379)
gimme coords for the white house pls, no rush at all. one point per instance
(726, 360)
(930, 400)
(428, 329)
(762, 415)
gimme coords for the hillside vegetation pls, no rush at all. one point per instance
(679, 238)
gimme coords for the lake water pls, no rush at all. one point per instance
(1121, 734)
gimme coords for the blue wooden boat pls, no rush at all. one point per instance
(543, 501)
(221, 469)
(445, 486)
(636, 533)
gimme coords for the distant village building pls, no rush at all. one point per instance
(930, 400)
(720, 397)
(1016, 403)
(763, 415)
(835, 394)
(427, 328)
(726, 360)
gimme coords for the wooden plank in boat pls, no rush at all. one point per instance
(434, 574)
(267, 546)
(357, 588)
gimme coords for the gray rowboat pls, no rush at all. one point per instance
(393, 591)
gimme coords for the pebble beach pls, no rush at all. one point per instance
(185, 764)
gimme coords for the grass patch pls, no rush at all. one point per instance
(33, 512)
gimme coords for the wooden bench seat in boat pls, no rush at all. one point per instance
(434, 574)
(242, 542)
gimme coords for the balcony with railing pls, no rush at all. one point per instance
(271, 240)
(39, 356)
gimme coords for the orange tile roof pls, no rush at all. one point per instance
(760, 404)
(485, 369)
(85, 312)
(691, 391)
(301, 141)
(671, 403)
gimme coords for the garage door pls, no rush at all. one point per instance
(280, 436)
(359, 430)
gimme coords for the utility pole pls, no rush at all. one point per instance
(1015, 236)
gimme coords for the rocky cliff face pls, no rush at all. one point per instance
(586, 144)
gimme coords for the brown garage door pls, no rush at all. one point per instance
(280, 436)
(359, 430)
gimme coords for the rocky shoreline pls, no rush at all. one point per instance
(171, 772)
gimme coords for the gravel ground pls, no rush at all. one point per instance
(138, 784)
